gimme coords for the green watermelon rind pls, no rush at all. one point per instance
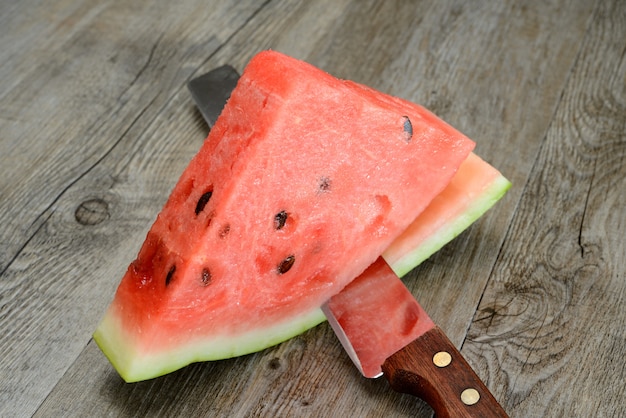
(117, 346)
(454, 227)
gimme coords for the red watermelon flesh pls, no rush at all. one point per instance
(301, 184)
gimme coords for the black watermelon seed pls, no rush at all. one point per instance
(170, 275)
(286, 264)
(206, 276)
(324, 184)
(408, 129)
(279, 219)
(204, 199)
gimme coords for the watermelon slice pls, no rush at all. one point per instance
(303, 181)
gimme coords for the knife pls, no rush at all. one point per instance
(397, 340)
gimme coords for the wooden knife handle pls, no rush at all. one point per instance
(432, 369)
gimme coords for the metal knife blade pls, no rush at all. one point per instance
(397, 340)
(211, 90)
(352, 316)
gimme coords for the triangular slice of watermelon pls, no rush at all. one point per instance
(303, 181)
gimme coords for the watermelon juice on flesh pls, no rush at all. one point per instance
(302, 183)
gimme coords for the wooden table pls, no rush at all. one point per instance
(96, 125)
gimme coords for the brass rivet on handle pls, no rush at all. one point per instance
(470, 396)
(442, 359)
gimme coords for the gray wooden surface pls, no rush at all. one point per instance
(96, 125)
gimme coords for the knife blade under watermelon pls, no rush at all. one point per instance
(397, 340)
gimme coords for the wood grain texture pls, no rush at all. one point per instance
(75, 130)
(96, 125)
(553, 316)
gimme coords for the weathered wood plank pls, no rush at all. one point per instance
(550, 327)
(496, 71)
(548, 337)
(64, 103)
(90, 96)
